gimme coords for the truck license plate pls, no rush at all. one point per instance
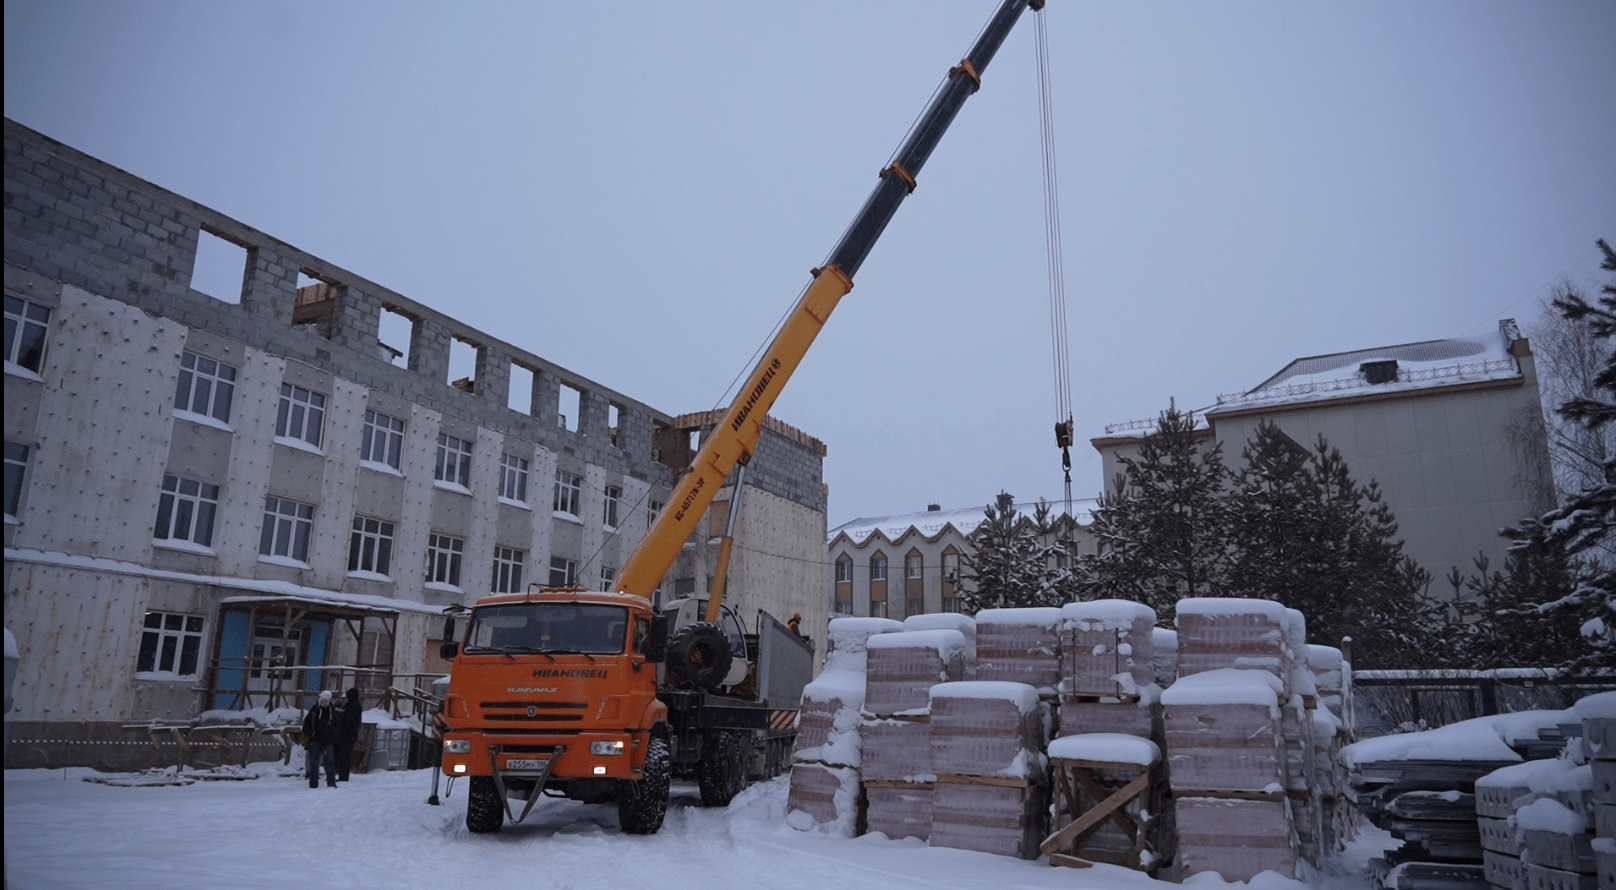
(525, 763)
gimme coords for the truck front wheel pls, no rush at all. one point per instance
(642, 804)
(484, 812)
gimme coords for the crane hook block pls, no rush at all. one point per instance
(965, 67)
(1063, 434)
(902, 174)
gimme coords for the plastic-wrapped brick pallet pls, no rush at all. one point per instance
(825, 792)
(1598, 716)
(896, 730)
(1107, 648)
(987, 750)
(1216, 632)
(1019, 646)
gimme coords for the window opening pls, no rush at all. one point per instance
(393, 336)
(220, 270)
(569, 407)
(462, 365)
(520, 396)
(26, 324)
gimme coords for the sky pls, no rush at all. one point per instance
(637, 191)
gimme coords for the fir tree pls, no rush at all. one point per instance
(1162, 534)
(1011, 566)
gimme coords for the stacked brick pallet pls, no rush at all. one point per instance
(1020, 646)
(1224, 722)
(825, 792)
(1331, 732)
(1598, 715)
(895, 732)
(987, 747)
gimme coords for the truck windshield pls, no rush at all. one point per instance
(556, 628)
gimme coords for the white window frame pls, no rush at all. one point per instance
(206, 388)
(173, 639)
(370, 546)
(300, 416)
(607, 576)
(508, 565)
(844, 570)
(653, 509)
(454, 461)
(16, 476)
(513, 478)
(288, 529)
(444, 557)
(568, 490)
(612, 506)
(383, 440)
(186, 510)
(878, 568)
(568, 569)
(914, 566)
(26, 322)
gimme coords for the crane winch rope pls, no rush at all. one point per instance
(1052, 247)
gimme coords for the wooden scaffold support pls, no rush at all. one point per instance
(1108, 802)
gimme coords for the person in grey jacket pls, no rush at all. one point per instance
(320, 727)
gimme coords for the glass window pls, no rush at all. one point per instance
(301, 414)
(512, 478)
(26, 324)
(878, 568)
(205, 387)
(443, 555)
(370, 547)
(16, 468)
(563, 572)
(844, 570)
(614, 497)
(170, 644)
(507, 570)
(185, 511)
(454, 460)
(567, 486)
(287, 528)
(383, 440)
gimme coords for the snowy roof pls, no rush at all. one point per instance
(1428, 364)
(931, 523)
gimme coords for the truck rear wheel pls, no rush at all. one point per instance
(723, 771)
(484, 812)
(641, 805)
(699, 656)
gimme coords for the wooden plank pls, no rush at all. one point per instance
(1001, 781)
(1101, 793)
(1100, 764)
(1220, 794)
(1069, 861)
(1092, 819)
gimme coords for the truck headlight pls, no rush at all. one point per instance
(457, 746)
(605, 748)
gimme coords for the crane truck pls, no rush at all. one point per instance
(601, 695)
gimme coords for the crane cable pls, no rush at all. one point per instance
(1052, 246)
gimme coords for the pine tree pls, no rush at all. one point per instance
(1162, 533)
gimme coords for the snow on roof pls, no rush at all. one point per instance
(1424, 365)
(965, 520)
(1106, 747)
(258, 589)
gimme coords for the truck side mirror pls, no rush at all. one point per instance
(448, 651)
(658, 649)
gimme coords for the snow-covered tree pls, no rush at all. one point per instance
(1303, 532)
(1011, 567)
(1162, 534)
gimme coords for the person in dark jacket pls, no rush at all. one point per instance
(320, 727)
(349, 720)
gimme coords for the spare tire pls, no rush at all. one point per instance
(698, 657)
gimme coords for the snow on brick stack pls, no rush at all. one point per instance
(987, 741)
(825, 792)
(1296, 736)
(1108, 674)
(965, 624)
(1019, 646)
(1536, 821)
(1164, 655)
(896, 730)
(1226, 746)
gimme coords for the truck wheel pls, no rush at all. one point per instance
(484, 812)
(723, 772)
(641, 805)
(698, 656)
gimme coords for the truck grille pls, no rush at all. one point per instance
(534, 711)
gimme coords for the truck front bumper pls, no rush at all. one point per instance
(597, 755)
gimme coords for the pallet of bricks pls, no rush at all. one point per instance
(825, 790)
(1332, 731)
(1240, 746)
(1108, 784)
(1548, 824)
(895, 730)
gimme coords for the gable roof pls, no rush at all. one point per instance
(932, 523)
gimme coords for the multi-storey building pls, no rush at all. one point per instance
(1449, 428)
(917, 563)
(231, 500)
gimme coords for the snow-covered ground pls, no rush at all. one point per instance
(378, 832)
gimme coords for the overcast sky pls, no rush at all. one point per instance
(637, 191)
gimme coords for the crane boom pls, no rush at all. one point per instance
(736, 436)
